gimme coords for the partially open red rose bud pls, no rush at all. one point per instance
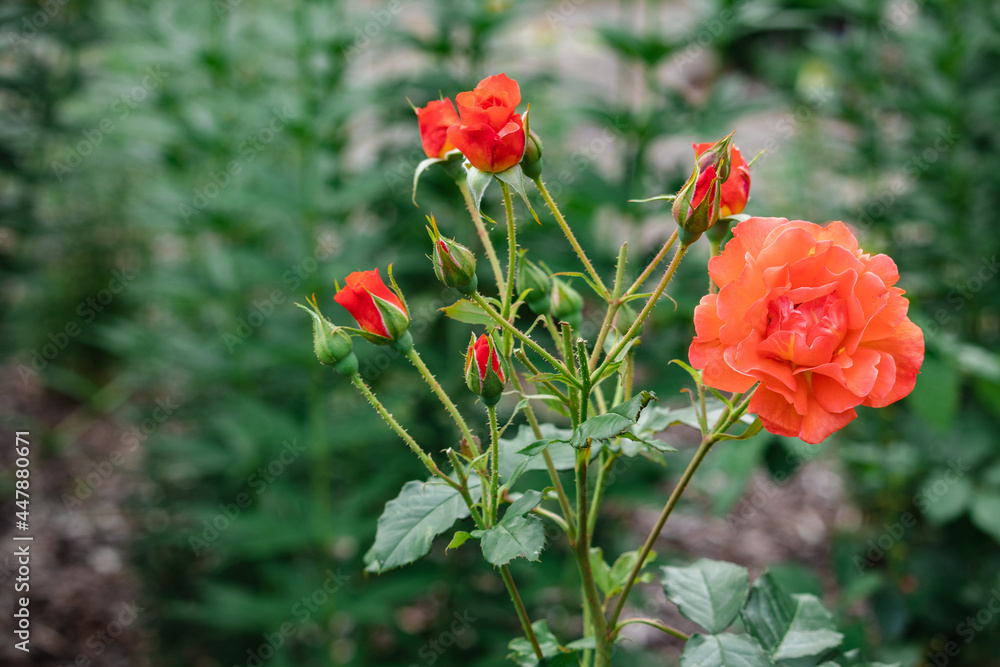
(735, 178)
(484, 370)
(379, 311)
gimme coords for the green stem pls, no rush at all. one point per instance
(646, 310)
(522, 613)
(484, 235)
(613, 305)
(508, 327)
(583, 556)
(463, 477)
(400, 431)
(608, 460)
(508, 294)
(435, 386)
(652, 265)
(522, 356)
(550, 465)
(605, 293)
(699, 456)
(656, 624)
(491, 410)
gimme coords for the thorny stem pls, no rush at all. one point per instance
(652, 265)
(508, 294)
(495, 479)
(484, 235)
(550, 465)
(605, 293)
(699, 456)
(637, 325)
(435, 386)
(510, 328)
(522, 613)
(583, 555)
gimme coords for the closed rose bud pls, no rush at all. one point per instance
(566, 303)
(531, 162)
(484, 370)
(434, 121)
(735, 179)
(332, 344)
(379, 311)
(490, 134)
(454, 264)
(696, 207)
(535, 284)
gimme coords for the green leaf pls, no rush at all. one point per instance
(468, 312)
(622, 568)
(457, 540)
(411, 521)
(613, 423)
(527, 502)
(709, 592)
(632, 407)
(789, 626)
(477, 182)
(601, 570)
(523, 654)
(514, 177)
(420, 169)
(513, 463)
(520, 537)
(724, 651)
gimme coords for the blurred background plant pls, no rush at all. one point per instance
(175, 176)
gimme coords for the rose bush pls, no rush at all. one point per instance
(818, 322)
(490, 135)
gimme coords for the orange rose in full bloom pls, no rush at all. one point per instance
(818, 322)
(491, 136)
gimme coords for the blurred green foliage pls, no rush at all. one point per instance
(229, 158)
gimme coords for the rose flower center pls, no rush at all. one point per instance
(805, 334)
